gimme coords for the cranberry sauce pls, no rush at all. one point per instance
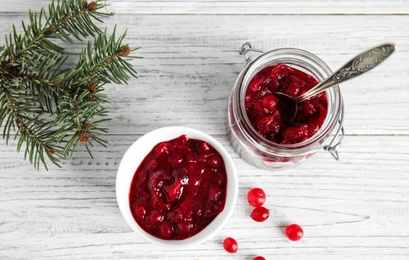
(178, 189)
(265, 113)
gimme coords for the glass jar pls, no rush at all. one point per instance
(263, 153)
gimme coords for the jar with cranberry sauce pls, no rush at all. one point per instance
(255, 123)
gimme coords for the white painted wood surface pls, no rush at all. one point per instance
(357, 208)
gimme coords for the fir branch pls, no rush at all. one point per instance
(51, 109)
(82, 14)
(29, 129)
(76, 115)
(39, 77)
(100, 63)
(43, 71)
(103, 60)
(64, 20)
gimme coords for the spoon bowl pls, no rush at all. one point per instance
(355, 67)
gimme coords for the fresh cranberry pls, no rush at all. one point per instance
(256, 197)
(260, 214)
(264, 111)
(230, 245)
(259, 258)
(178, 189)
(294, 232)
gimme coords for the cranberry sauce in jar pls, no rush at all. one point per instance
(266, 114)
(178, 189)
(255, 124)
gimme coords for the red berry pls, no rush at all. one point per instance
(215, 194)
(293, 86)
(260, 214)
(295, 134)
(256, 197)
(259, 258)
(155, 217)
(269, 102)
(165, 230)
(268, 125)
(294, 232)
(140, 212)
(185, 227)
(176, 159)
(173, 191)
(256, 82)
(230, 245)
(214, 161)
(162, 149)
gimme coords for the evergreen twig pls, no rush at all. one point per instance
(48, 108)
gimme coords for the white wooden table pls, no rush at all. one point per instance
(357, 208)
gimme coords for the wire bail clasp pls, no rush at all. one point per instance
(332, 149)
(245, 49)
(337, 139)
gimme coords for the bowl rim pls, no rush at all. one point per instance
(134, 155)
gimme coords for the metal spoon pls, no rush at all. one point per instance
(357, 66)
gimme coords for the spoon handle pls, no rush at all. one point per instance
(357, 66)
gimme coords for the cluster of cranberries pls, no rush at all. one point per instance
(256, 197)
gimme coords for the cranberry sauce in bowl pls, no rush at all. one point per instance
(179, 188)
(176, 186)
(255, 124)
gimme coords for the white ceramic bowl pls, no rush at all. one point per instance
(134, 156)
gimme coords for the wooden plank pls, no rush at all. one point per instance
(187, 73)
(355, 208)
(262, 7)
(235, 7)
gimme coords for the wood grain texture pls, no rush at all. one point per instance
(356, 208)
(230, 7)
(190, 64)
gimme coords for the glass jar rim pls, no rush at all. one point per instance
(307, 61)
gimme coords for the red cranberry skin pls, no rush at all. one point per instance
(259, 258)
(230, 245)
(294, 232)
(256, 197)
(260, 214)
(178, 189)
(265, 113)
(269, 102)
